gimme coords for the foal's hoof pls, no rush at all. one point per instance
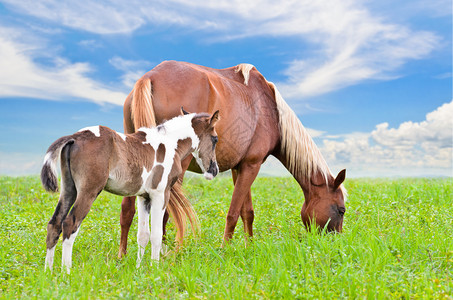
(164, 250)
(137, 264)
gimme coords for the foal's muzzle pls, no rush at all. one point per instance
(212, 171)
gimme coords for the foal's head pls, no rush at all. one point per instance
(204, 127)
(324, 202)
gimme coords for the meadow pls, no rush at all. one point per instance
(397, 243)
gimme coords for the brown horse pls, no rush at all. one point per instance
(256, 122)
(145, 164)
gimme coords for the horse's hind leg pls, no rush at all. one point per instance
(71, 223)
(67, 197)
(54, 227)
(247, 213)
(246, 175)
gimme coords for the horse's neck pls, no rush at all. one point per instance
(184, 147)
(305, 181)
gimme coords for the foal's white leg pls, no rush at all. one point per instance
(157, 217)
(143, 228)
(67, 251)
(49, 258)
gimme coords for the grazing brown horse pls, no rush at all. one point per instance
(255, 122)
(145, 164)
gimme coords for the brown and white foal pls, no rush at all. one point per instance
(144, 164)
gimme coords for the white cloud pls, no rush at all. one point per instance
(435, 130)
(412, 149)
(315, 133)
(90, 44)
(133, 69)
(351, 42)
(104, 17)
(21, 76)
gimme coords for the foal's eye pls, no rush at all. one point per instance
(214, 139)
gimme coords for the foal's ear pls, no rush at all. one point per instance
(183, 112)
(340, 178)
(215, 117)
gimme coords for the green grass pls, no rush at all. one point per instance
(397, 243)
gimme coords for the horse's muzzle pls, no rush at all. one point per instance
(212, 171)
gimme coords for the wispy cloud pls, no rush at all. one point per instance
(103, 17)
(414, 148)
(133, 69)
(352, 43)
(22, 76)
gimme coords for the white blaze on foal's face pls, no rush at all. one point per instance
(204, 127)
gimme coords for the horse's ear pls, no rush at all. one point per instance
(340, 178)
(215, 117)
(183, 112)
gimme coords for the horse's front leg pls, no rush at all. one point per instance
(157, 215)
(245, 176)
(126, 217)
(143, 206)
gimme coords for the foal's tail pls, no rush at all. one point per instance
(142, 114)
(49, 177)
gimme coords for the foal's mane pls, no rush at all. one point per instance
(176, 124)
(302, 155)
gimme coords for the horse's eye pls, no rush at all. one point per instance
(214, 139)
(341, 210)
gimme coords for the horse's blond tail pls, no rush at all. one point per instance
(143, 116)
(142, 104)
(180, 209)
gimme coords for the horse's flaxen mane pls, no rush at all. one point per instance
(302, 155)
(245, 70)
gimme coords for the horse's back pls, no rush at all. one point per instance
(174, 69)
(245, 109)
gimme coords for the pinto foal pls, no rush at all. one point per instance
(144, 164)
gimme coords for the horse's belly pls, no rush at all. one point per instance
(122, 188)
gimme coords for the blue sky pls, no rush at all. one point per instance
(371, 80)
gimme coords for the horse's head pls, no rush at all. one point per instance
(204, 127)
(324, 202)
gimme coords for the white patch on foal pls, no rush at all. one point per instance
(122, 135)
(157, 216)
(67, 251)
(49, 258)
(176, 129)
(206, 175)
(96, 130)
(143, 229)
